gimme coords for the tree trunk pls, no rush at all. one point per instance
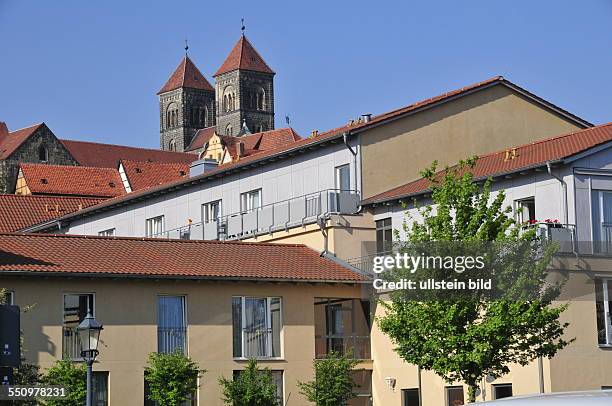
(472, 388)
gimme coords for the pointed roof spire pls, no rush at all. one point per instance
(244, 56)
(186, 75)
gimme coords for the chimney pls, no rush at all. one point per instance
(240, 149)
(314, 133)
(202, 166)
(366, 118)
(3, 129)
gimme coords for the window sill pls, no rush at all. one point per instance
(605, 346)
(262, 359)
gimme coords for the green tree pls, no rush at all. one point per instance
(172, 378)
(70, 375)
(469, 338)
(251, 387)
(333, 384)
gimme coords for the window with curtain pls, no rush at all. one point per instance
(154, 226)
(250, 201)
(76, 306)
(211, 211)
(100, 388)
(256, 324)
(171, 324)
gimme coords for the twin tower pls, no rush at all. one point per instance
(242, 100)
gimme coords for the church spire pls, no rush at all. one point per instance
(244, 57)
(188, 75)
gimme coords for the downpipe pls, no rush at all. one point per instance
(564, 188)
(354, 153)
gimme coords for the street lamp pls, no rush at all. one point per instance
(89, 334)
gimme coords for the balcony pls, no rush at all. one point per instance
(171, 339)
(564, 234)
(357, 346)
(257, 343)
(267, 219)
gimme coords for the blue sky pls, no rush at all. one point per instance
(91, 70)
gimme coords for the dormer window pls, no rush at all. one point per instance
(43, 153)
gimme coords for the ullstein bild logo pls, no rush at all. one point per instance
(411, 264)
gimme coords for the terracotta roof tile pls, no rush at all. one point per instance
(146, 174)
(72, 180)
(202, 136)
(11, 141)
(262, 141)
(186, 75)
(64, 254)
(108, 155)
(244, 56)
(17, 212)
(526, 156)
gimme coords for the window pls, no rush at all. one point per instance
(8, 298)
(525, 210)
(250, 201)
(343, 177)
(342, 325)
(171, 326)
(384, 236)
(172, 145)
(100, 388)
(603, 306)
(410, 397)
(502, 390)
(277, 379)
(211, 211)
(229, 99)
(155, 226)
(363, 388)
(602, 220)
(107, 233)
(229, 130)
(257, 322)
(76, 307)
(454, 396)
(43, 153)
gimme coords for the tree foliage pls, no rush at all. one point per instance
(333, 384)
(172, 378)
(251, 387)
(466, 339)
(70, 375)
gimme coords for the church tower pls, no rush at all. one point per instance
(186, 104)
(245, 92)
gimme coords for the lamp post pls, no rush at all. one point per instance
(89, 334)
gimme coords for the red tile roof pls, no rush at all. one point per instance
(112, 256)
(146, 174)
(108, 155)
(17, 212)
(11, 141)
(526, 156)
(262, 141)
(72, 180)
(186, 75)
(304, 144)
(202, 136)
(244, 56)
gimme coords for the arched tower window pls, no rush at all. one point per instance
(229, 130)
(229, 99)
(171, 115)
(203, 117)
(172, 145)
(260, 98)
(43, 153)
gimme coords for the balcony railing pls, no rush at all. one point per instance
(71, 345)
(257, 343)
(357, 346)
(267, 219)
(564, 234)
(171, 339)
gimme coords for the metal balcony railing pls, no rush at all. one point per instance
(257, 343)
(171, 339)
(267, 219)
(564, 234)
(71, 345)
(357, 346)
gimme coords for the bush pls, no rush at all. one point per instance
(172, 378)
(333, 384)
(251, 387)
(71, 376)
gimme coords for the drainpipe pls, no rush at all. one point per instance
(321, 221)
(564, 188)
(354, 153)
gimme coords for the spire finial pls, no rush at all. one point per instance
(243, 27)
(186, 46)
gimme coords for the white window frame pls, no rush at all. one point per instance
(337, 176)
(109, 232)
(149, 228)
(9, 295)
(268, 326)
(93, 312)
(185, 321)
(245, 199)
(607, 310)
(518, 209)
(207, 210)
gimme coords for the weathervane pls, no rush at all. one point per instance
(186, 46)
(243, 27)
